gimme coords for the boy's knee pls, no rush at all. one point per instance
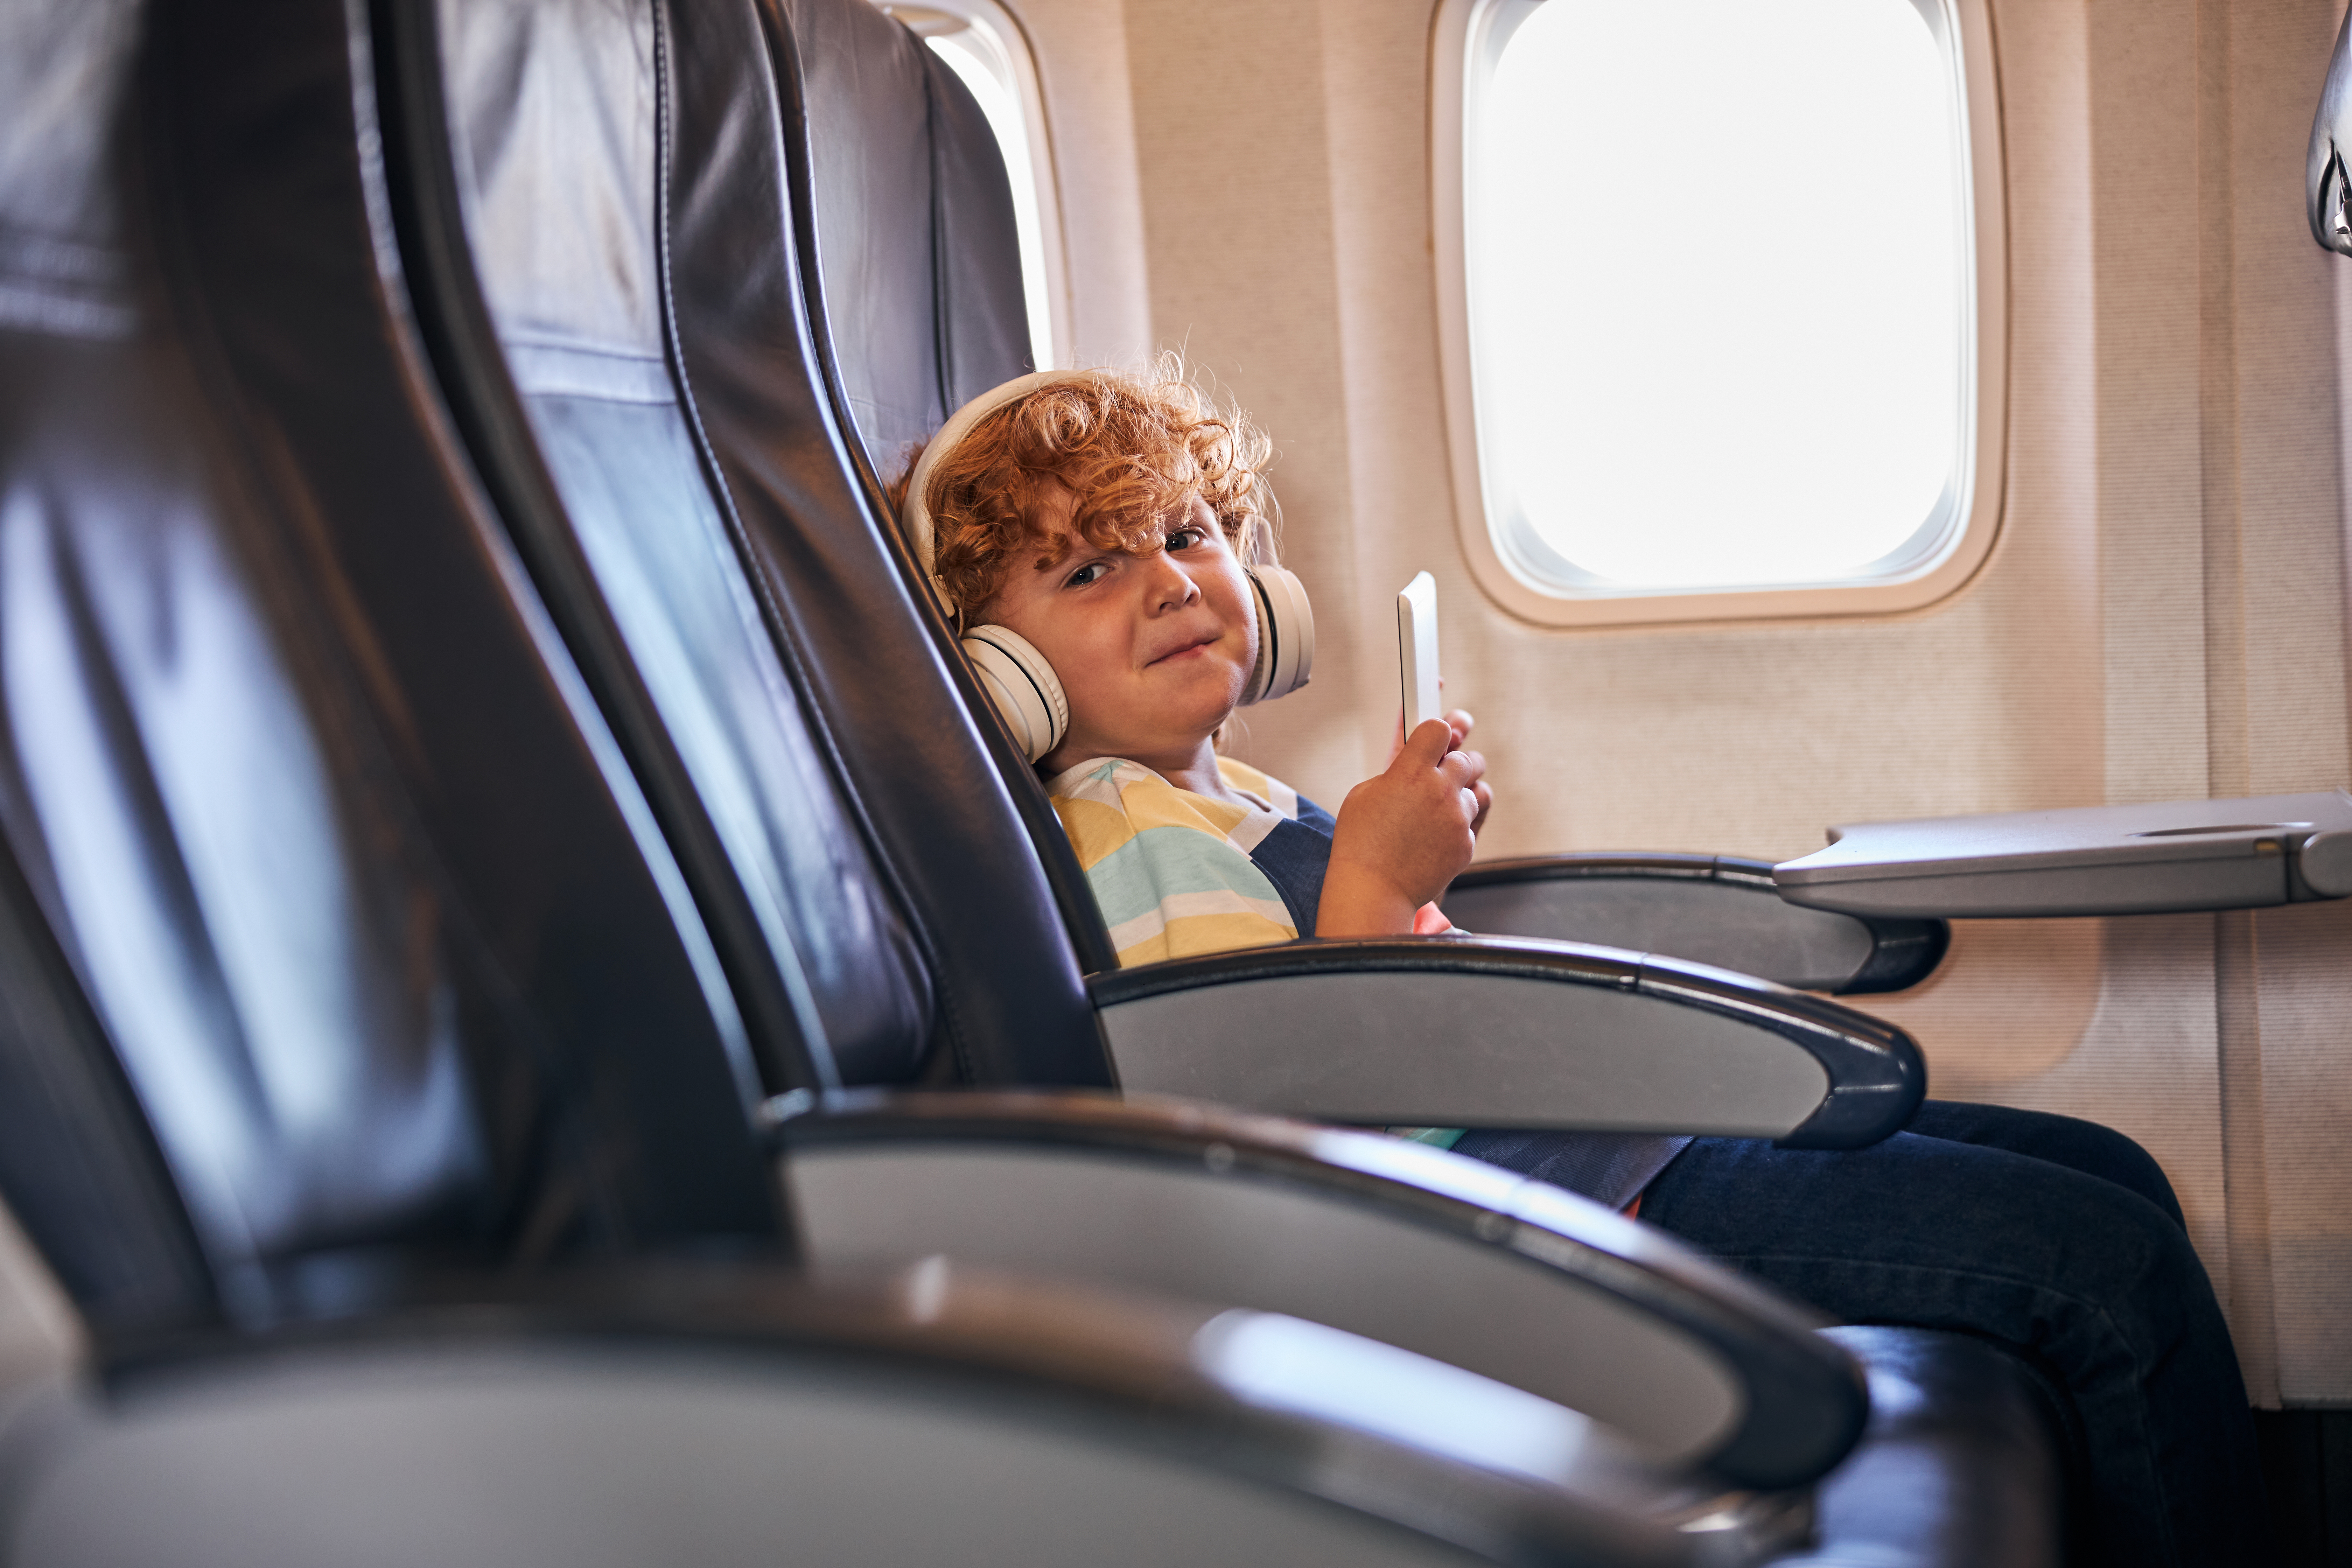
(2134, 1257)
(2089, 1147)
(2116, 1157)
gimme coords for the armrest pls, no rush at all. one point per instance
(1482, 1032)
(2147, 859)
(740, 1414)
(1464, 1263)
(1708, 909)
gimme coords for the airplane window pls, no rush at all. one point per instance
(1718, 272)
(981, 43)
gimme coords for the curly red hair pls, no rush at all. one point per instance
(1132, 449)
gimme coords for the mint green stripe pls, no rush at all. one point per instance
(1161, 862)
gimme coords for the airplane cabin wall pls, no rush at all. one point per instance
(2163, 614)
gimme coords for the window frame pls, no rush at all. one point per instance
(991, 19)
(1459, 28)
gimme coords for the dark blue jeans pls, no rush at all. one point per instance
(2056, 1238)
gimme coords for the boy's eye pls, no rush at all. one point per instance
(1089, 572)
(1185, 537)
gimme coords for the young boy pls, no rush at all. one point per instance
(1108, 528)
(1104, 517)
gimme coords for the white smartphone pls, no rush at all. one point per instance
(1417, 651)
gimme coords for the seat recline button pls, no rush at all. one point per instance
(2325, 863)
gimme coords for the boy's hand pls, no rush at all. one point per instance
(1402, 837)
(1462, 723)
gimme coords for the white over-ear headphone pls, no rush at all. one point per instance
(1016, 677)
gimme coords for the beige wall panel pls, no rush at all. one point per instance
(2145, 1066)
(2285, 400)
(1376, 75)
(2051, 510)
(2306, 1045)
(2340, 297)
(2150, 1064)
(2143, 165)
(1990, 1042)
(1233, 153)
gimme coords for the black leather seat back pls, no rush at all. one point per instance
(745, 620)
(552, 141)
(910, 287)
(330, 926)
(913, 227)
(898, 702)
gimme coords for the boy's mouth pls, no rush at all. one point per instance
(1191, 644)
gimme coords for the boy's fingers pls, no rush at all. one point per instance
(1462, 724)
(1462, 768)
(1427, 746)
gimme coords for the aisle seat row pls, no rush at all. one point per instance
(493, 835)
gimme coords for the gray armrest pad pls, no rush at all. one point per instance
(1453, 1259)
(1708, 909)
(1482, 1032)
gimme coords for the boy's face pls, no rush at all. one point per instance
(1154, 649)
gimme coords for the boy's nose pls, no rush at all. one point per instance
(1172, 587)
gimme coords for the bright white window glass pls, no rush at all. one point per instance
(1719, 288)
(987, 54)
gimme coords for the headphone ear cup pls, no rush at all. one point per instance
(1286, 635)
(1022, 685)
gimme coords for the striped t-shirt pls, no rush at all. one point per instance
(1176, 873)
